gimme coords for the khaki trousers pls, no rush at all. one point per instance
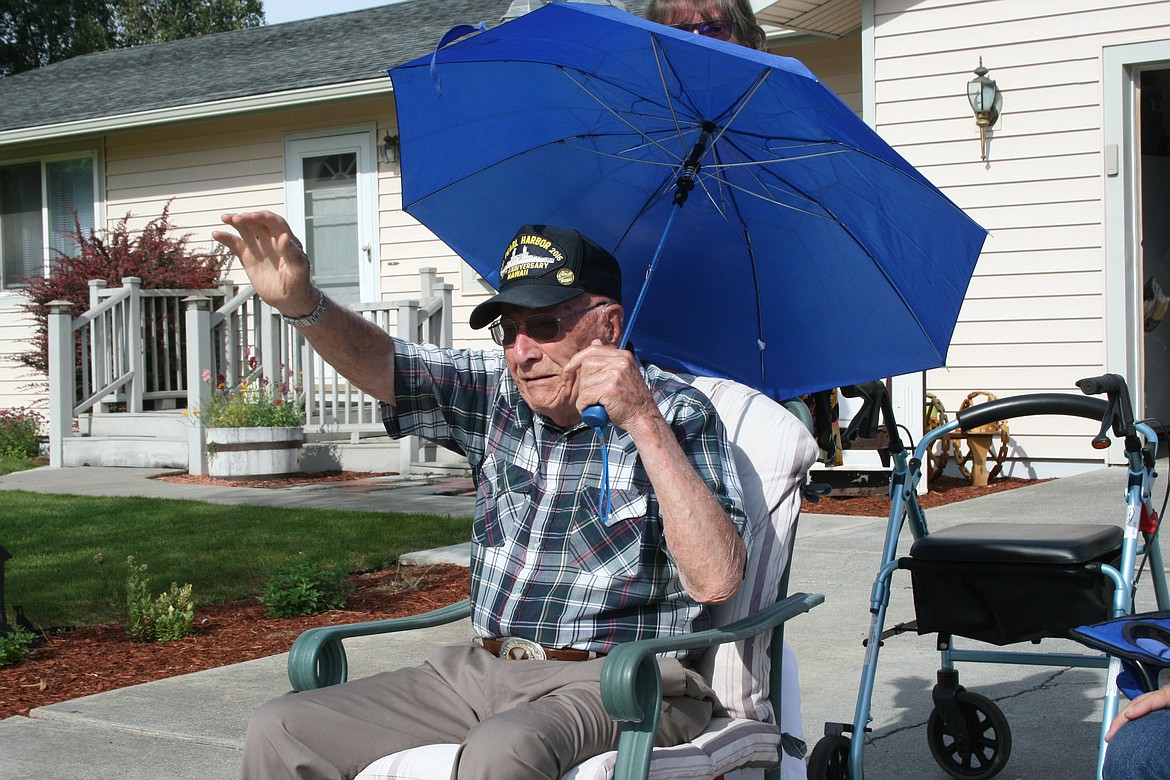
(513, 719)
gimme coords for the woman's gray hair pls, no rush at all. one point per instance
(738, 12)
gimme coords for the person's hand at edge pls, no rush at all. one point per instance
(1142, 705)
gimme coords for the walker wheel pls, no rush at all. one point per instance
(829, 759)
(988, 748)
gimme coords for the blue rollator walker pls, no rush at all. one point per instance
(1001, 582)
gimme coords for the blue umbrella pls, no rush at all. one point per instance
(799, 252)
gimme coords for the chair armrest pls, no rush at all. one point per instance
(317, 658)
(631, 683)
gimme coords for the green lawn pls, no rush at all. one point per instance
(226, 552)
(9, 464)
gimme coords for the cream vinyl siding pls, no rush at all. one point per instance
(408, 246)
(238, 164)
(19, 386)
(1034, 319)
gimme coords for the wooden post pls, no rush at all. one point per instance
(407, 331)
(61, 379)
(99, 345)
(428, 276)
(198, 388)
(271, 357)
(979, 443)
(446, 317)
(135, 344)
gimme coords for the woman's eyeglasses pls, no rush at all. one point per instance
(720, 29)
(539, 327)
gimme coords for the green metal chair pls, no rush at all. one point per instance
(744, 661)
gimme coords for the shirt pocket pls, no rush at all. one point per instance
(503, 501)
(613, 547)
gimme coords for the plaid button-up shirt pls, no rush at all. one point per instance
(544, 566)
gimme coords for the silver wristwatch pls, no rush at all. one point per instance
(311, 317)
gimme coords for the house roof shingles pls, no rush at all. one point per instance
(323, 51)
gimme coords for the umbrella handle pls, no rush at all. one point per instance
(595, 416)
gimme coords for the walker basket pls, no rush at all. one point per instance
(1012, 582)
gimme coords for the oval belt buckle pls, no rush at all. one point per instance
(516, 648)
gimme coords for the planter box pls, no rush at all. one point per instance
(254, 452)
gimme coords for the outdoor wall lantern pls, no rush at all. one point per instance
(390, 148)
(983, 95)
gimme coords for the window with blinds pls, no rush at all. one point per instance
(42, 204)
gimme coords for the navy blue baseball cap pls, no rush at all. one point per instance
(546, 265)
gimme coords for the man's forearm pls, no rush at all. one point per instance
(356, 348)
(703, 542)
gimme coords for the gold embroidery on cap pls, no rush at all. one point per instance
(566, 276)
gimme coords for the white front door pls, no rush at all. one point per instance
(331, 196)
(1137, 192)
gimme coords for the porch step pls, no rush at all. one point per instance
(159, 440)
(125, 451)
(171, 426)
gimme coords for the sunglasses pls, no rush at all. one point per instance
(719, 29)
(539, 327)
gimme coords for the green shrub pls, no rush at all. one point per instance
(14, 646)
(164, 619)
(20, 430)
(303, 588)
(155, 255)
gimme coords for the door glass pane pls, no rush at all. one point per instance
(69, 184)
(21, 233)
(331, 224)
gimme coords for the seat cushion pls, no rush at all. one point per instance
(1019, 543)
(725, 745)
(429, 762)
(773, 452)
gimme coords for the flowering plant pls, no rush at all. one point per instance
(19, 430)
(256, 403)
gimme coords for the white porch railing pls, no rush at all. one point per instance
(141, 349)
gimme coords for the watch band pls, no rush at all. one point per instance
(311, 317)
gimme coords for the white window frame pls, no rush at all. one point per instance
(98, 202)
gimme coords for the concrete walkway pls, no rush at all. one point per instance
(191, 726)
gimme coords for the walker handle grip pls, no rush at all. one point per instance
(1030, 405)
(1119, 414)
(1105, 384)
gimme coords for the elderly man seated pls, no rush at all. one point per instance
(560, 572)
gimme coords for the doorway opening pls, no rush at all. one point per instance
(1154, 144)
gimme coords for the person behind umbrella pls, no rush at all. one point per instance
(545, 568)
(734, 21)
(727, 20)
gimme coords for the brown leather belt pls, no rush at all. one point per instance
(517, 649)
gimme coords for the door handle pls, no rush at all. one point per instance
(369, 250)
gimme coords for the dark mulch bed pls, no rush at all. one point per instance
(101, 658)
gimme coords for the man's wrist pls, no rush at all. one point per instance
(312, 317)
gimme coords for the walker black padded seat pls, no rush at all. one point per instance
(1012, 582)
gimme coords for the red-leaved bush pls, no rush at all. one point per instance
(160, 259)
